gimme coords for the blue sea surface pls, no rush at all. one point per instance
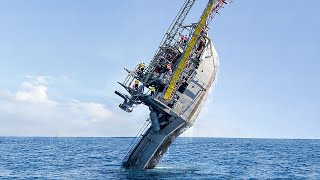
(187, 158)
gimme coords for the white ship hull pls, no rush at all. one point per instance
(150, 147)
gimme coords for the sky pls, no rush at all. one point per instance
(60, 62)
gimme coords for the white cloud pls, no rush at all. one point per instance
(30, 111)
(34, 93)
(94, 110)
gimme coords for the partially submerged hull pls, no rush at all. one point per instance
(154, 142)
(178, 77)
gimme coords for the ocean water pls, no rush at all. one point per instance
(187, 158)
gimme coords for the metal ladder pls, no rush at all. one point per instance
(171, 34)
(202, 23)
(136, 140)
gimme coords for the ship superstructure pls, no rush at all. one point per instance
(174, 85)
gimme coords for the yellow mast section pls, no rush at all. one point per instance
(189, 48)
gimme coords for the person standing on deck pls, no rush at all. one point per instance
(140, 69)
(153, 90)
(136, 85)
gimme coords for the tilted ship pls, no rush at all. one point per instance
(174, 85)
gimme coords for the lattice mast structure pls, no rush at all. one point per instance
(172, 35)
